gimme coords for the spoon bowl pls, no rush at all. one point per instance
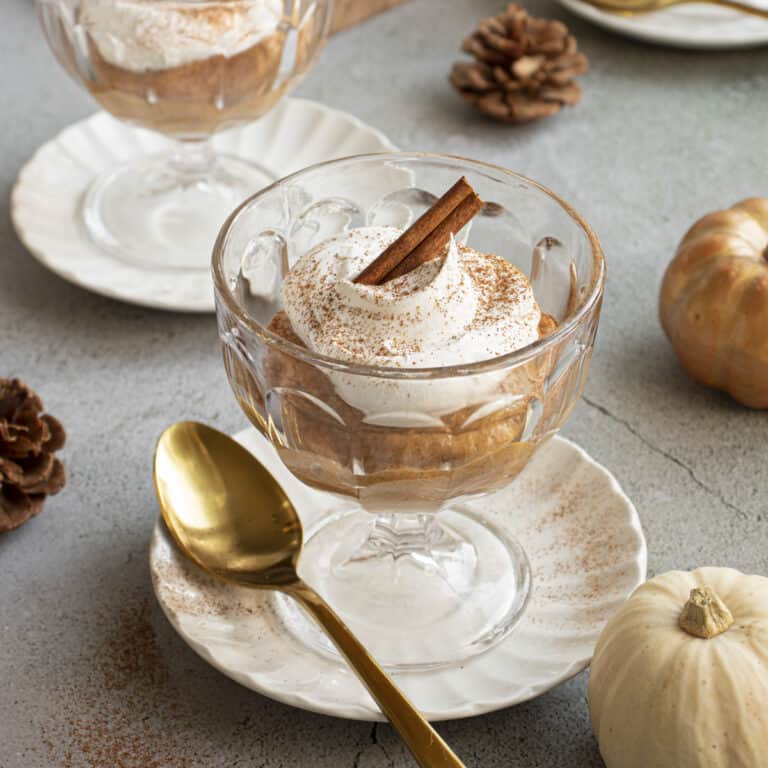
(231, 517)
(224, 509)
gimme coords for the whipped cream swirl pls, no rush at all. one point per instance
(460, 309)
(142, 35)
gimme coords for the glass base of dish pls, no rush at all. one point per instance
(420, 591)
(165, 211)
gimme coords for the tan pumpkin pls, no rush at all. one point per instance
(680, 674)
(714, 301)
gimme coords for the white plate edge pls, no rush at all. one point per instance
(623, 26)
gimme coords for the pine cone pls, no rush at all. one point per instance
(524, 68)
(28, 469)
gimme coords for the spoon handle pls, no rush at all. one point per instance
(743, 7)
(419, 736)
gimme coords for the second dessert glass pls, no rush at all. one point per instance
(185, 69)
(420, 575)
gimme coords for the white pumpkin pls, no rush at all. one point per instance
(680, 674)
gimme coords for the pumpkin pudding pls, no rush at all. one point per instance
(185, 69)
(382, 437)
(407, 371)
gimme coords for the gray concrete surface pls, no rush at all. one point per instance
(90, 673)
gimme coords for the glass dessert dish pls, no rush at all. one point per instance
(185, 69)
(417, 572)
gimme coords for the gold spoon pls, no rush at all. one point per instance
(230, 516)
(637, 7)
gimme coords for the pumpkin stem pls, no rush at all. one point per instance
(705, 614)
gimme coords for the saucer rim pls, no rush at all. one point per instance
(171, 290)
(673, 32)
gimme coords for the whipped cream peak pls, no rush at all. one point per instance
(144, 35)
(405, 310)
(461, 308)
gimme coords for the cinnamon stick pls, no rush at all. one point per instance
(423, 229)
(433, 244)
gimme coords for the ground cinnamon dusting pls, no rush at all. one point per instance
(128, 675)
(582, 549)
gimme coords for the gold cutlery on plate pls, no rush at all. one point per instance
(638, 7)
(231, 517)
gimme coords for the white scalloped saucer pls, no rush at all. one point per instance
(696, 26)
(586, 547)
(46, 200)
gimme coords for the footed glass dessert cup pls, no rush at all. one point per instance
(413, 569)
(185, 69)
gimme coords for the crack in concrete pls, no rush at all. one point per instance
(374, 742)
(669, 456)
